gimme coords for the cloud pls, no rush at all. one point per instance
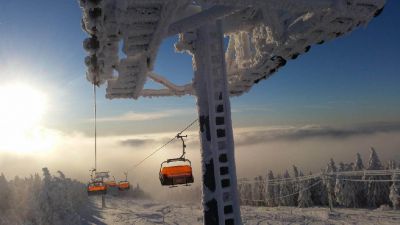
(136, 142)
(140, 140)
(255, 135)
(135, 116)
(74, 152)
(313, 131)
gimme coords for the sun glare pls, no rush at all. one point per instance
(21, 110)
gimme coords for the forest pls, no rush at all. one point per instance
(57, 200)
(50, 200)
(349, 185)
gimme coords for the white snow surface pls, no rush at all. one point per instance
(146, 212)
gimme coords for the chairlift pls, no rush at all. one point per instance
(111, 183)
(96, 185)
(180, 174)
(124, 184)
(97, 188)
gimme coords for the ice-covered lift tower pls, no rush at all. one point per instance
(263, 35)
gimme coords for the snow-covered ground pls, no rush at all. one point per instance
(144, 212)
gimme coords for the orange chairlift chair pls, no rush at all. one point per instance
(172, 175)
(97, 188)
(111, 183)
(96, 185)
(124, 184)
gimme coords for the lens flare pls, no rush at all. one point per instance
(21, 109)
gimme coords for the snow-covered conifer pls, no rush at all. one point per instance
(246, 194)
(5, 195)
(359, 163)
(241, 191)
(278, 190)
(394, 194)
(344, 188)
(330, 180)
(286, 191)
(360, 188)
(259, 191)
(319, 193)
(377, 192)
(270, 195)
(304, 199)
(339, 185)
(295, 171)
(331, 168)
(374, 163)
(295, 185)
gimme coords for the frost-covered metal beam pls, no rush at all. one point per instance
(203, 17)
(170, 90)
(263, 35)
(163, 93)
(187, 88)
(220, 198)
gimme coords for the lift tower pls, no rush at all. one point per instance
(262, 35)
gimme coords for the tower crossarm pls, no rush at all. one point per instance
(170, 90)
(263, 36)
(270, 36)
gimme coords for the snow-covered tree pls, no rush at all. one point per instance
(330, 180)
(295, 171)
(286, 191)
(394, 194)
(331, 168)
(51, 201)
(374, 163)
(345, 189)
(296, 184)
(259, 191)
(241, 184)
(304, 199)
(360, 188)
(339, 185)
(5, 195)
(245, 192)
(277, 191)
(270, 193)
(377, 192)
(319, 193)
(358, 165)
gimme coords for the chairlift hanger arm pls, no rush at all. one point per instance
(179, 136)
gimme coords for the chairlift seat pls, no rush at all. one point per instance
(175, 175)
(123, 185)
(111, 183)
(97, 188)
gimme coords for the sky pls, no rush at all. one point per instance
(338, 99)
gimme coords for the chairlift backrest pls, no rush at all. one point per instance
(123, 185)
(102, 175)
(176, 174)
(96, 188)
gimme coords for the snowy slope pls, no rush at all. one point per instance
(144, 212)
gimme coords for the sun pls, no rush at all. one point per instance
(21, 109)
